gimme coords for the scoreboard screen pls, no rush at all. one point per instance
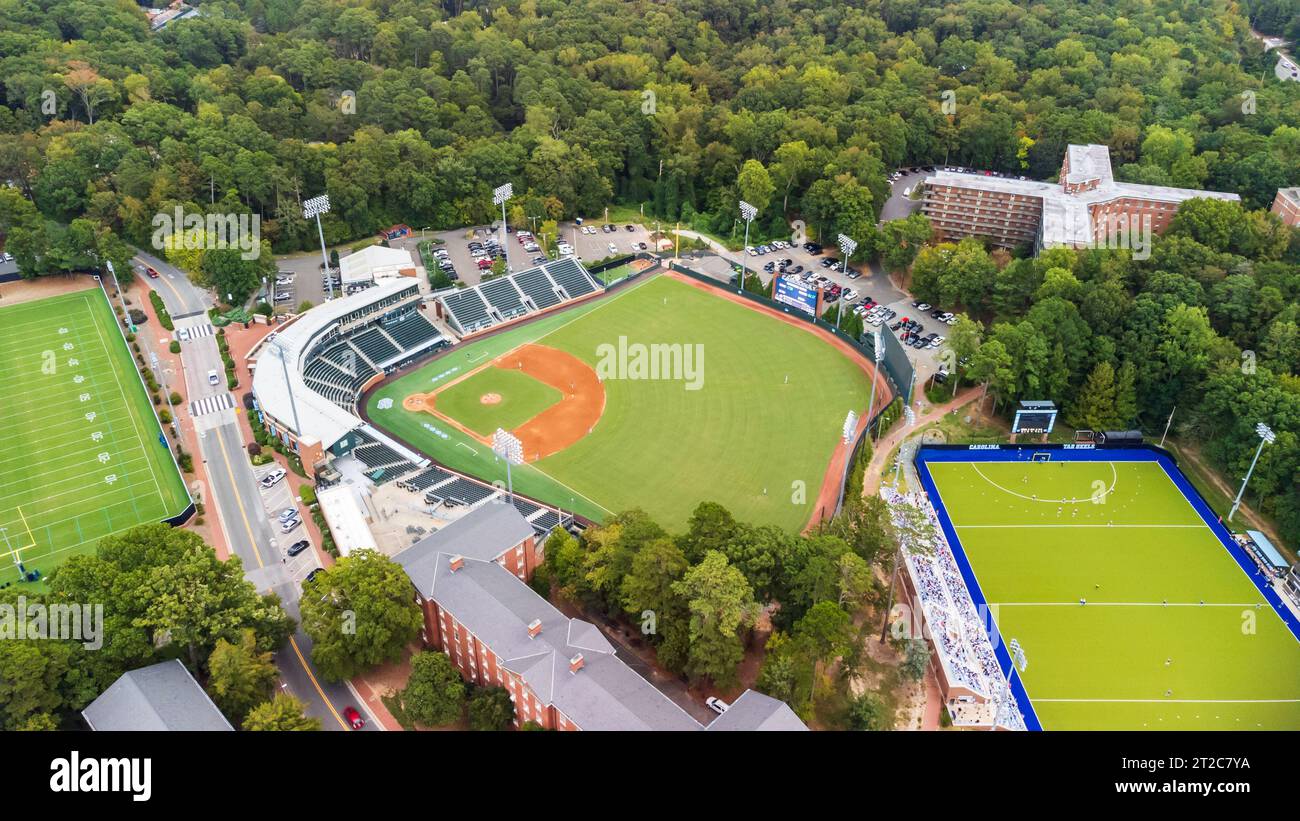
(1034, 417)
(792, 292)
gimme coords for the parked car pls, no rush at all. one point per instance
(613, 249)
(289, 525)
(288, 513)
(631, 227)
(312, 575)
(717, 705)
(298, 547)
(270, 479)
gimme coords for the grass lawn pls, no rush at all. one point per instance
(522, 398)
(1173, 635)
(757, 435)
(83, 458)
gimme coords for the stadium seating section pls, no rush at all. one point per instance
(342, 367)
(506, 298)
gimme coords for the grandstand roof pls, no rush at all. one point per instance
(316, 417)
(1266, 547)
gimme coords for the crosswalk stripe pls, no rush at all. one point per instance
(201, 330)
(211, 404)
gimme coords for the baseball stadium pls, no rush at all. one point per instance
(659, 394)
(85, 455)
(1096, 588)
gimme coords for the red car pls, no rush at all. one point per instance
(354, 718)
(151, 272)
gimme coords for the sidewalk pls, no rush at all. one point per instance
(148, 336)
(885, 446)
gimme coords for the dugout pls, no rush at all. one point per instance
(1119, 437)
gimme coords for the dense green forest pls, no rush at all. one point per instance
(412, 112)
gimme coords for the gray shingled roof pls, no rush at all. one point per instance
(484, 533)
(163, 696)
(497, 607)
(755, 711)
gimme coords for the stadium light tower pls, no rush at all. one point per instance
(500, 196)
(314, 207)
(1266, 437)
(507, 446)
(288, 386)
(879, 355)
(847, 246)
(747, 212)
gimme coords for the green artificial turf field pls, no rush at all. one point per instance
(82, 458)
(1173, 635)
(767, 416)
(522, 398)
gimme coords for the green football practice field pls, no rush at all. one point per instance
(1170, 633)
(82, 457)
(756, 436)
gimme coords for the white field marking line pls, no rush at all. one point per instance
(584, 314)
(78, 478)
(1169, 700)
(125, 477)
(162, 497)
(566, 487)
(127, 500)
(1261, 602)
(51, 458)
(53, 432)
(46, 511)
(10, 378)
(72, 410)
(56, 550)
(49, 525)
(1114, 481)
(113, 442)
(1000, 527)
(467, 447)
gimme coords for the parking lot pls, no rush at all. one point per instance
(277, 498)
(586, 245)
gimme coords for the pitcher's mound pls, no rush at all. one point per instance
(490, 399)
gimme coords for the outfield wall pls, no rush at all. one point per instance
(1128, 452)
(866, 353)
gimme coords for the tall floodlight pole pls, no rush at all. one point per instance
(288, 386)
(1266, 437)
(499, 197)
(747, 212)
(879, 355)
(847, 247)
(314, 207)
(507, 446)
(1168, 422)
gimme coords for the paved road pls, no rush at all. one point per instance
(234, 495)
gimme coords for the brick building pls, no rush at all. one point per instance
(470, 581)
(1287, 205)
(1086, 208)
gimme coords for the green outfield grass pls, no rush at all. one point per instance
(82, 457)
(522, 398)
(1168, 610)
(756, 437)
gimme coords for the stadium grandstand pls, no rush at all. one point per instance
(307, 376)
(498, 301)
(973, 686)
